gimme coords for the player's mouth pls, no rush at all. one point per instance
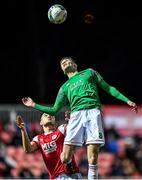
(49, 119)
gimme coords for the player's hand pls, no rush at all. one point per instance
(133, 105)
(19, 122)
(27, 101)
(67, 115)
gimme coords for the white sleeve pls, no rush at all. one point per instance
(62, 128)
(35, 139)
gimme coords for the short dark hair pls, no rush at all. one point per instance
(67, 58)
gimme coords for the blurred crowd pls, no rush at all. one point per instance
(121, 157)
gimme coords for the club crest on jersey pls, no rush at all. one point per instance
(41, 140)
(54, 136)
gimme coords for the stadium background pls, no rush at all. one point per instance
(31, 48)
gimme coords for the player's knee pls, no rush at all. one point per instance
(93, 159)
(92, 153)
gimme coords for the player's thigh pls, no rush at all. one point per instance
(94, 127)
(75, 130)
(68, 151)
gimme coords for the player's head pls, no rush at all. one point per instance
(68, 65)
(47, 119)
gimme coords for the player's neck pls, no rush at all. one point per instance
(71, 74)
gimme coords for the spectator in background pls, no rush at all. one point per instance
(112, 136)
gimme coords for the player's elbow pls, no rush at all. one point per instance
(27, 150)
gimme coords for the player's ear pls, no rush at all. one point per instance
(41, 123)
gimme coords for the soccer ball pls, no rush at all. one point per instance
(57, 14)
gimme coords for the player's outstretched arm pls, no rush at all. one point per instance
(27, 101)
(27, 145)
(117, 94)
(113, 91)
(52, 110)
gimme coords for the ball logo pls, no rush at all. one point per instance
(57, 14)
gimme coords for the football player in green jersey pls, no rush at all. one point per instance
(85, 124)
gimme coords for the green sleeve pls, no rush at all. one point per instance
(96, 75)
(59, 103)
(112, 91)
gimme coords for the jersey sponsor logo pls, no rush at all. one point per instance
(82, 74)
(76, 84)
(49, 147)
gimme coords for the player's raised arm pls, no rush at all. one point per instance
(113, 91)
(117, 94)
(27, 145)
(52, 110)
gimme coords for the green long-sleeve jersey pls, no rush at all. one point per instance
(81, 92)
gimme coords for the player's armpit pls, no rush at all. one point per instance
(34, 146)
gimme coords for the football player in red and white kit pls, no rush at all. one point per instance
(50, 143)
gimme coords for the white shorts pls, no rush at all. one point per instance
(85, 126)
(67, 177)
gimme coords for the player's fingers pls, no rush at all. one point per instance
(133, 104)
(67, 114)
(135, 109)
(18, 119)
(25, 99)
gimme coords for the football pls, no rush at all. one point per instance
(57, 14)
